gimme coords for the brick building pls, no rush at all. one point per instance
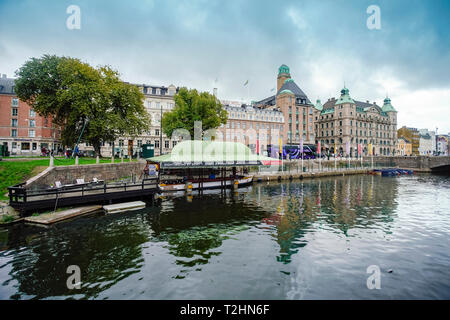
(22, 130)
(296, 108)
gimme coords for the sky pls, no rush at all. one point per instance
(204, 44)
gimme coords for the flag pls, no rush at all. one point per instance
(335, 149)
(370, 149)
(257, 146)
(359, 148)
(318, 147)
(246, 82)
(347, 148)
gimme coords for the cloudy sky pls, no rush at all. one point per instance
(206, 43)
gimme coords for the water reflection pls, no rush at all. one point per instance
(183, 239)
(106, 252)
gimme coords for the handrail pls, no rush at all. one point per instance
(16, 193)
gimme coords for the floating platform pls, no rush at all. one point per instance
(51, 218)
(126, 206)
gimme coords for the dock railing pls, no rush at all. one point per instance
(22, 198)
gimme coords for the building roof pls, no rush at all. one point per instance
(283, 69)
(360, 105)
(345, 97)
(290, 85)
(425, 136)
(285, 91)
(387, 106)
(197, 153)
(318, 105)
(404, 139)
(6, 85)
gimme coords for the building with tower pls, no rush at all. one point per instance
(343, 120)
(295, 106)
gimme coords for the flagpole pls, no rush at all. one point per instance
(335, 167)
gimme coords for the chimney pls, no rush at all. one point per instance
(367, 101)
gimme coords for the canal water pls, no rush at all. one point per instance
(296, 240)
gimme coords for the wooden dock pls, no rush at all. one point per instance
(54, 217)
(126, 206)
(26, 201)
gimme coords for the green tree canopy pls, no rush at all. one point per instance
(78, 95)
(191, 106)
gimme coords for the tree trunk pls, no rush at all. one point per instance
(97, 148)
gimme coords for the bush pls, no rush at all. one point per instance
(7, 218)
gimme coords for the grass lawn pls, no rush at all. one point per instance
(14, 172)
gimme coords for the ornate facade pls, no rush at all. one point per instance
(344, 120)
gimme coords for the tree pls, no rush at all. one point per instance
(81, 98)
(191, 106)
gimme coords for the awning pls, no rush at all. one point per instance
(196, 154)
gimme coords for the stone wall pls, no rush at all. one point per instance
(69, 174)
(425, 163)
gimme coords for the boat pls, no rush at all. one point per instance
(242, 181)
(199, 165)
(391, 172)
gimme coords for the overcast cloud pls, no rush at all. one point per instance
(194, 43)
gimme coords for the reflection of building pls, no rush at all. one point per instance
(158, 99)
(404, 147)
(338, 203)
(412, 135)
(295, 106)
(344, 120)
(22, 130)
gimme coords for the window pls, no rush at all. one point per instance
(174, 143)
(14, 102)
(166, 144)
(156, 132)
(156, 143)
(32, 123)
(32, 113)
(32, 133)
(120, 143)
(34, 146)
(139, 143)
(15, 112)
(13, 122)
(25, 146)
(14, 133)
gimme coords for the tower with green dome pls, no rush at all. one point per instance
(283, 75)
